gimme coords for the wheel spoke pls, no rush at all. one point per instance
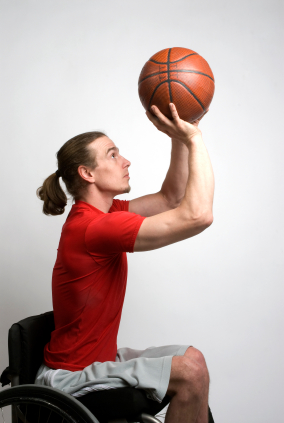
(49, 416)
(2, 415)
(41, 405)
(39, 414)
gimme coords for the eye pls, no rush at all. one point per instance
(113, 155)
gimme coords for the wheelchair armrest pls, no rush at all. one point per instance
(5, 377)
(8, 377)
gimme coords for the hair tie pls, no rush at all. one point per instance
(58, 173)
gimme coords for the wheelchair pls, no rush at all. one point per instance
(32, 403)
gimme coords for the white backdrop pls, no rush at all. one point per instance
(71, 66)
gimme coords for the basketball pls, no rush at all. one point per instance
(180, 76)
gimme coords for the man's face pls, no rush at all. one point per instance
(111, 173)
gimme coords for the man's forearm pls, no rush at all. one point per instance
(199, 192)
(173, 187)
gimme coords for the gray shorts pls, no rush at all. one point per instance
(148, 369)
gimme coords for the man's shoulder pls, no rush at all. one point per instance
(119, 205)
(81, 214)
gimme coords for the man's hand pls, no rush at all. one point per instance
(177, 128)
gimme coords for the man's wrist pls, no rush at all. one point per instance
(178, 144)
(193, 140)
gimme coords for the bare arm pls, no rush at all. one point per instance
(194, 214)
(173, 187)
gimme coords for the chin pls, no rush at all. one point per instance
(127, 190)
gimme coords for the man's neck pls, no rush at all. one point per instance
(102, 201)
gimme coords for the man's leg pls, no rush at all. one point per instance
(188, 387)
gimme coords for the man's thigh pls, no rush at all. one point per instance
(125, 354)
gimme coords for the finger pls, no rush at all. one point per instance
(174, 112)
(159, 115)
(151, 117)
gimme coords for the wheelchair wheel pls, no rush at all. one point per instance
(41, 404)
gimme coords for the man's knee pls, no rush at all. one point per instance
(187, 377)
(197, 356)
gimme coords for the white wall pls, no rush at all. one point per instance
(71, 66)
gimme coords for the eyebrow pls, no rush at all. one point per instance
(112, 148)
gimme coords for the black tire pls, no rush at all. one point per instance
(41, 404)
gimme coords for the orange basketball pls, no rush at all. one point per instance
(180, 76)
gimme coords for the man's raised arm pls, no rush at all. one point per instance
(195, 212)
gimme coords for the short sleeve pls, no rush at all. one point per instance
(119, 205)
(113, 233)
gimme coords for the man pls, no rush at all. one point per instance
(89, 277)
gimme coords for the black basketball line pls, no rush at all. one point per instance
(175, 61)
(191, 71)
(178, 70)
(168, 65)
(179, 82)
(155, 91)
(179, 60)
(186, 87)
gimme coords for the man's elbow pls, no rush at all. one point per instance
(209, 220)
(205, 221)
(171, 202)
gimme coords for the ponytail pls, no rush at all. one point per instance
(53, 197)
(71, 155)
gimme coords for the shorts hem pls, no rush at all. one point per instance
(166, 373)
(182, 349)
(165, 379)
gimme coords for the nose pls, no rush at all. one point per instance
(126, 163)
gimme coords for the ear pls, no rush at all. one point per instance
(86, 174)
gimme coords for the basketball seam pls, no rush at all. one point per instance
(155, 91)
(177, 70)
(189, 90)
(175, 61)
(179, 82)
(168, 65)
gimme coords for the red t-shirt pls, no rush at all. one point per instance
(88, 284)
